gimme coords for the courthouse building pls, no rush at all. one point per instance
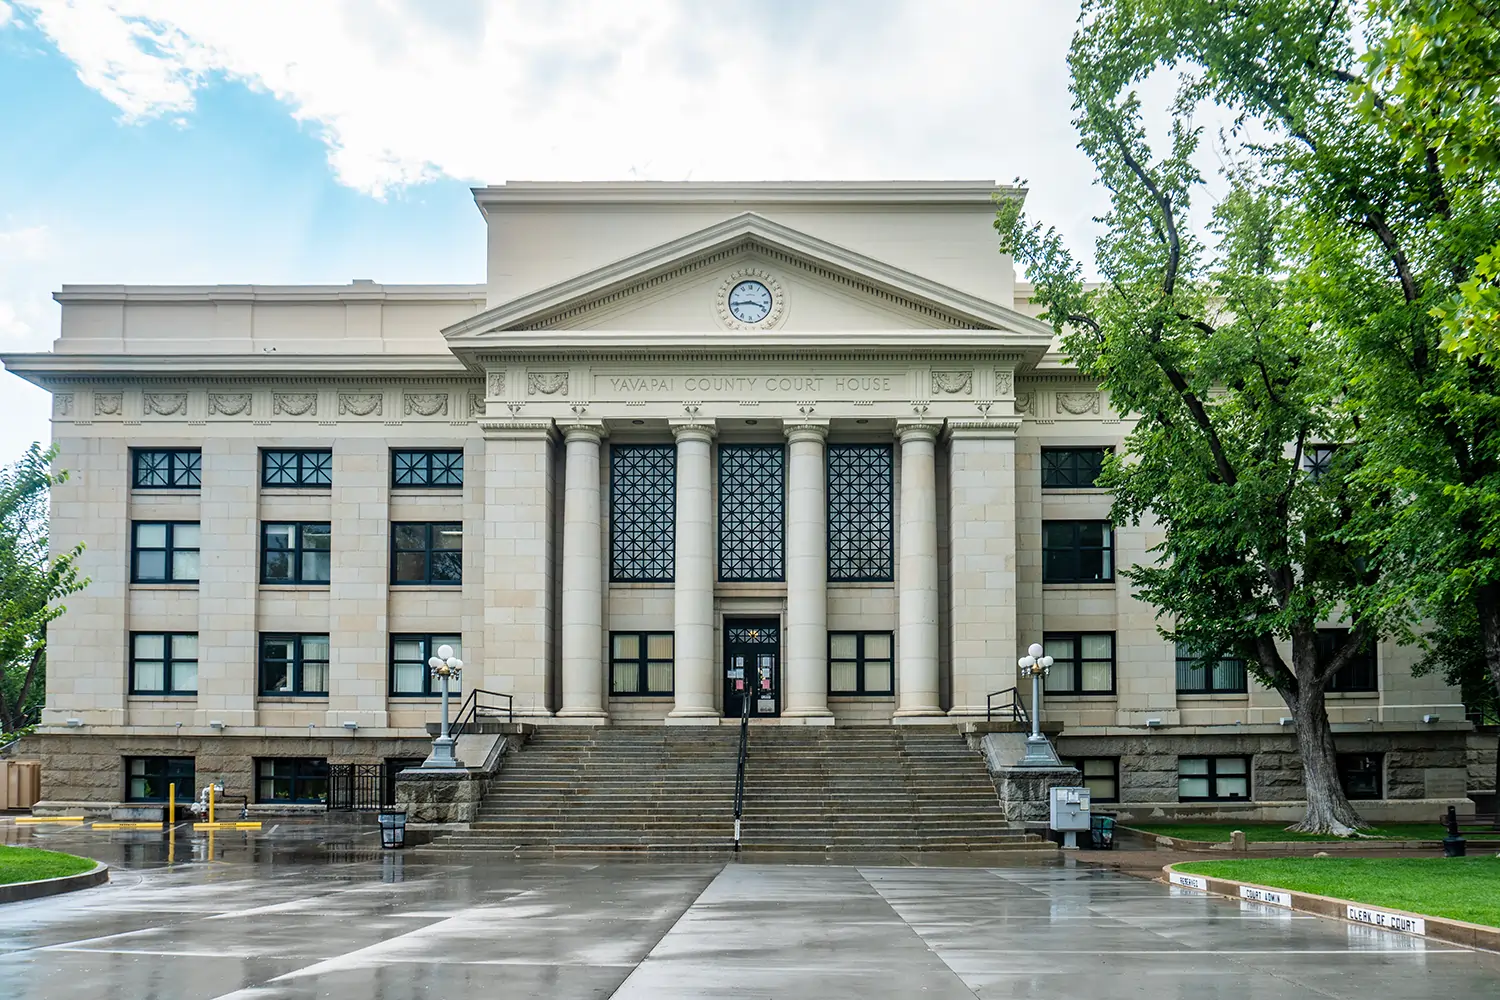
(801, 442)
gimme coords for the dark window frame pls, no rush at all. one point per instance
(428, 468)
(1347, 680)
(642, 535)
(431, 529)
(431, 686)
(1075, 690)
(1213, 777)
(1317, 460)
(1072, 468)
(1114, 776)
(164, 773)
(168, 663)
(857, 555)
(741, 550)
(1187, 660)
(302, 471)
(1343, 762)
(184, 464)
(169, 550)
(862, 689)
(297, 550)
(1077, 551)
(295, 665)
(643, 661)
(300, 776)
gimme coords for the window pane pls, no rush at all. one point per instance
(150, 647)
(1229, 675)
(185, 676)
(152, 536)
(275, 675)
(1096, 767)
(316, 536)
(878, 646)
(315, 647)
(315, 677)
(1098, 646)
(407, 677)
(1092, 534)
(659, 646)
(1059, 534)
(752, 512)
(137, 765)
(643, 500)
(410, 536)
(877, 676)
(185, 565)
(1059, 678)
(1107, 564)
(280, 536)
(316, 567)
(184, 647)
(843, 646)
(409, 649)
(411, 567)
(447, 567)
(151, 565)
(861, 501)
(1101, 788)
(1191, 676)
(625, 678)
(627, 646)
(1231, 765)
(1095, 676)
(278, 649)
(317, 468)
(149, 675)
(1192, 765)
(659, 675)
(1060, 649)
(1192, 788)
(185, 536)
(278, 567)
(448, 536)
(843, 676)
(1234, 788)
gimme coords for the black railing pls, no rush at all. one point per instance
(359, 787)
(739, 767)
(1010, 706)
(481, 704)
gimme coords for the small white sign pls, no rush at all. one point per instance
(1188, 881)
(1390, 921)
(1266, 896)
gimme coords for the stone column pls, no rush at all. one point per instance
(806, 667)
(917, 649)
(982, 481)
(582, 577)
(696, 687)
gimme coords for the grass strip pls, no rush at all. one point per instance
(1215, 833)
(28, 864)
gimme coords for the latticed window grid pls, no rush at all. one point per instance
(752, 512)
(441, 468)
(643, 512)
(861, 513)
(1072, 468)
(765, 635)
(167, 469)
(297, 467)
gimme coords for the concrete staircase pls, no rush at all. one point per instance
(806, 789)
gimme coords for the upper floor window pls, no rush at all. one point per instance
(164, 552)
(861, 510)
(410, 674)
(296, 467)
(1101, 776)
(164, 663)
(1213, 778)
(752, 512)
(1072, 468)
(294, 665)
(640, 663)
(295, 552)
(1359, 674)
(147, 778)
(642, 512)
(166, 468)
(1361, 775)
(1078, 552)
(1318, 459)
(424, 552)
(1082, 662)
(860, 663)
(428, 467)
(292, 779)
(1221, 675)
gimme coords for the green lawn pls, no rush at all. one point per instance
(1215, 833)
(27, 864)
(1459, 888)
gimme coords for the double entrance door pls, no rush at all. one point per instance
(752, 666)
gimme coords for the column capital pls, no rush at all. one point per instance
(917, 431)
(691, 430)
(807, 430)
(583, 430)
(991, 427)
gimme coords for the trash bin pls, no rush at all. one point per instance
(393, 828)
(1102, 833)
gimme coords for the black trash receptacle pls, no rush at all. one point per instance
(393, 828)
(1102, 832)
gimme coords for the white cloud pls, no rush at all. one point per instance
(5, 13)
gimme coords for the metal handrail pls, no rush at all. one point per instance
(1013, 705)
(470, 711)
(739, 768)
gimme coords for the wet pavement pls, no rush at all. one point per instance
(299, 911)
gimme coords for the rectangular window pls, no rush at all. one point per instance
(147, 778)
(1213, 779)
(166, 468)
(427, 553)
(1101, 776)
(410, 675)
(642, 512)
(295, 552)
(1317, 459)
(1083, 662)
(442, 468)
(861, 513)
(752, 512)
(164, 663)
(296, 467)
(860, 663)
(1220, 675)
(164, 551)
(1072, 468)
(292, 779)
(1360, 674)
(1077, 552)
(1361, 775)
(294, 665)
(640, 663)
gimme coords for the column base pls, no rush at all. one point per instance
(694, 713)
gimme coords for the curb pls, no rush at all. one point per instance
(1298, 846)
(14, 892)
(1415, 924)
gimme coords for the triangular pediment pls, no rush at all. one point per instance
(675, 286)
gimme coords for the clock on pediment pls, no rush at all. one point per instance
(750, 298)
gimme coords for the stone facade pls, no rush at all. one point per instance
(608, 320)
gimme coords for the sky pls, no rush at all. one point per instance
(177, 141)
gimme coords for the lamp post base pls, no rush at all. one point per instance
(1039, 753)
(442, 757)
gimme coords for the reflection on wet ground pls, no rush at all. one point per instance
(309, 909)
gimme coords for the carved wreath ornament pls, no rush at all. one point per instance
(166, 404)
(1077, 403)
(547, 383)
(426, 404)
(361, 404)
(228, 404)
(295, 404)
(953, 383)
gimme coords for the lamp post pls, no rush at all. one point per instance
(1039, 752)
(444, 666)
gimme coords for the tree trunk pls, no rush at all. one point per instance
(1328, 809)
(1487, 604)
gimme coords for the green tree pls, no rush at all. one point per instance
(32, 581)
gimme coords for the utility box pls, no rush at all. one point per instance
(1070, 813)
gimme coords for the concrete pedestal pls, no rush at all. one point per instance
(1026, 792)
(440, 796)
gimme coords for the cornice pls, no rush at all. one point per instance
(45, 369)
(855, 348)
(934, 193)
(199, 294)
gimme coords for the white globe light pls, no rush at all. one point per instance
(1046, 661)
(457, 664)
(1025, 662)
(1035, 649)
(434, 662)
(444, 651)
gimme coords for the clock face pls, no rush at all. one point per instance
(750, 302)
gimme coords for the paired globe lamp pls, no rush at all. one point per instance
(1039, 752)
(445, 667)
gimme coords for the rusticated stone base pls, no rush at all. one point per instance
(1026, 792)
(440, 796)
